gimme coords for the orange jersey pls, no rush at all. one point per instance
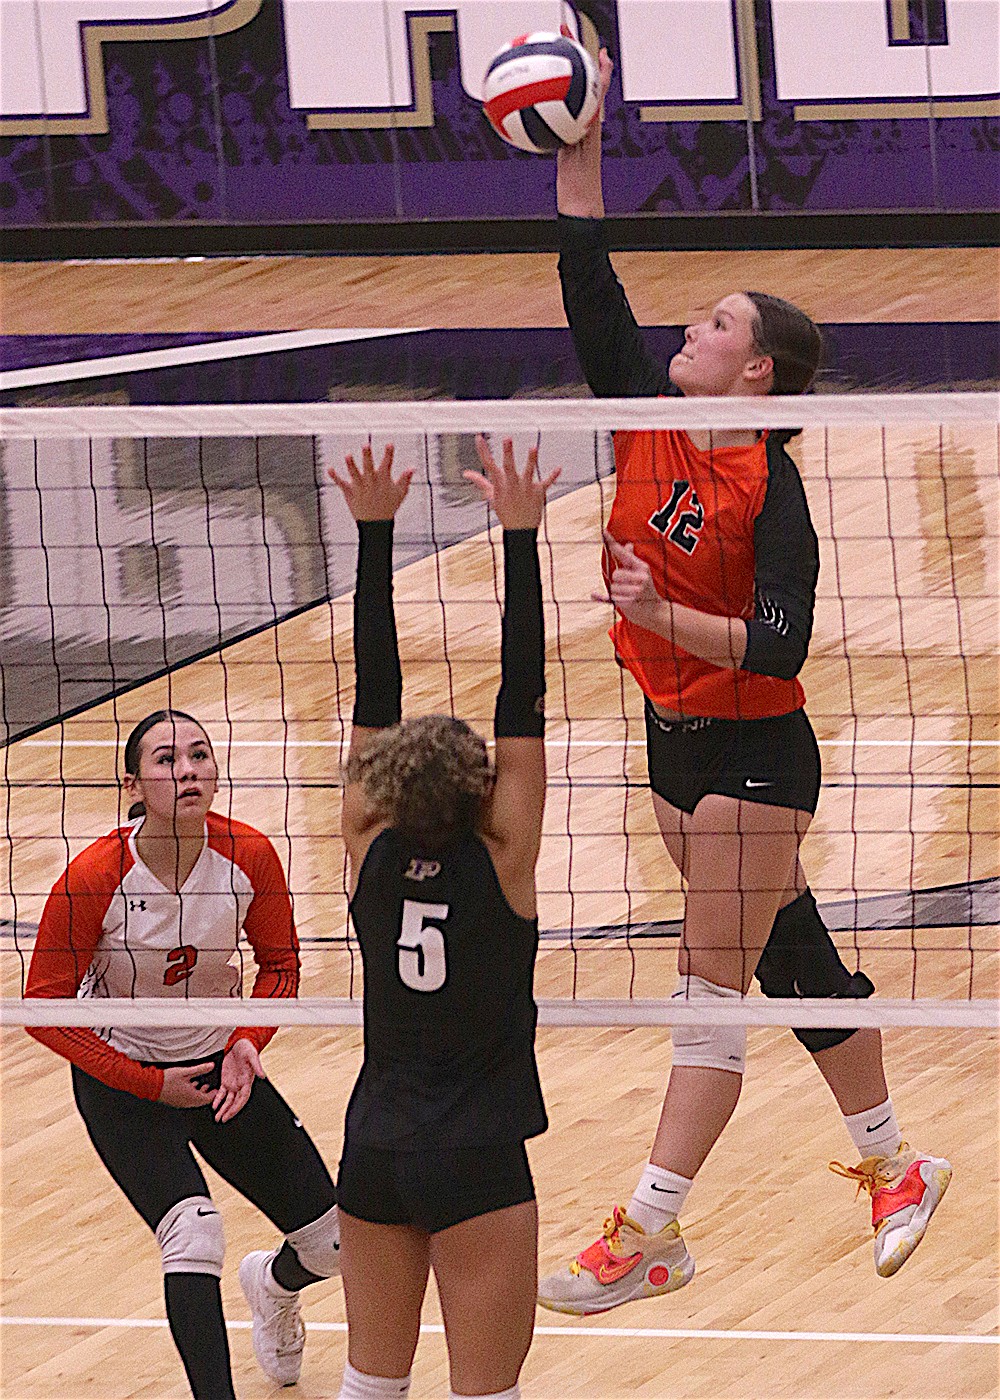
(725, 533)
(692, 516)
(111, 929)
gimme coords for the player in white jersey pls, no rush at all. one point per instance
(158, 907)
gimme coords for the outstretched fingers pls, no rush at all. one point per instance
(385, 466)
(371, 492)
(486, 479)
(509, 464)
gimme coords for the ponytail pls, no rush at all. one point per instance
(793, 341)
(791, 338)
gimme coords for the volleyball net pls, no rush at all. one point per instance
(200, 558)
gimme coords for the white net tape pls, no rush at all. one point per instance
(501, 415)
(341, 1011)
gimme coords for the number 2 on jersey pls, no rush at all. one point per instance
(422, 963)
(180, 964)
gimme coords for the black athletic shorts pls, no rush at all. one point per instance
(432, 1191)
(264, 1151)
(775, 761)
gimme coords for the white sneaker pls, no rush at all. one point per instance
(905, 1191)
(624, 1264)
(279, 1334)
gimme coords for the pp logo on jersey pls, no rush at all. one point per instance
(680, 519)
(423, 869)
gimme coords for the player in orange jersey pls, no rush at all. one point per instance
(157, 908)
(711, 564)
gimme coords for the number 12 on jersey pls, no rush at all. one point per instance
(422, 962)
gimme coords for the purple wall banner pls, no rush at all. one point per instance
(347, 111)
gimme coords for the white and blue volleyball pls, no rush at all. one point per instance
(541, 92)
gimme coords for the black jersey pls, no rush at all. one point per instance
(448, 1007)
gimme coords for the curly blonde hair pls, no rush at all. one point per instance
(426, 777)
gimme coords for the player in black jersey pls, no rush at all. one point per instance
(442, 849)
(715, 637)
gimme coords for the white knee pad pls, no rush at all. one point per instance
(708, 1047)
(191, 1239)
(317, 1244)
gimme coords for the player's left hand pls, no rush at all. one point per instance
(240, 1068)
(371, 492)
(631, 589)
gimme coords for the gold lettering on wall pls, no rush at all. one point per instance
(899, 21)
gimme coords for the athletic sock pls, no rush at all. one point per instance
(874, 1132)
(659, 1198)
(288, 1273)
(513, 1394)
(356, 1385)
(194, 1311)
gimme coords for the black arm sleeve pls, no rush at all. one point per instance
(378, 698)
(608, 341)
(520, 708)
(786, 567)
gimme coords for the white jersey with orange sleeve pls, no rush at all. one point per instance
(111, 929)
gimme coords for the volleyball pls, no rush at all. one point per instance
(541, 92)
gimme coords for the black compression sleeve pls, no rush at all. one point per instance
(786, 568)
(520, 708)
(378, 699)
(608, 341)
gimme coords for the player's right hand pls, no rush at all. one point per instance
(179, 1089)
(518, 500)
(604, 70)
(578, 167)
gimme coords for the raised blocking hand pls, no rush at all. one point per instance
(370, 491)
(518, 499)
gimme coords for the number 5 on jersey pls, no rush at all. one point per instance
(422, 962)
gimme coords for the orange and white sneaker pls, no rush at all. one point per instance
(624, 1264)
(905, 1190)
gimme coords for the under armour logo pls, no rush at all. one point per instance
(423, 869)
(137, 904)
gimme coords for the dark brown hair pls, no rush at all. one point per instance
(426, 777)
(133, 747)
(791, 338)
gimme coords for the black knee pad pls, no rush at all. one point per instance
(800, 960)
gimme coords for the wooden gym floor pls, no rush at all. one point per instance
(785, 1302)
